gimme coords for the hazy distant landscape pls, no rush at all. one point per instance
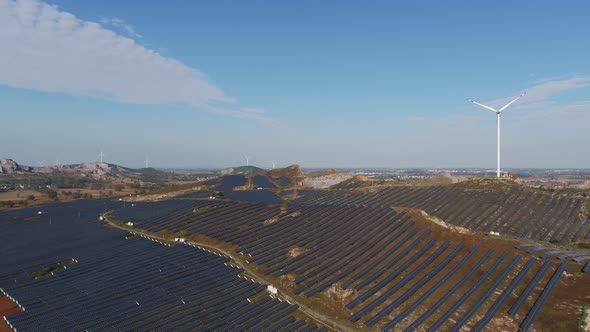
(357, 246)
(22, 186)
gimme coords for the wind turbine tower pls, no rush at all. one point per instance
(247, 160)
(498, 112)
(147, 162)
(101, 156)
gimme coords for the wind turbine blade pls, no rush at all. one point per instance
(510, 103)
(484, 106)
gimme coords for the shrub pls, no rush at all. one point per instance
(582, 321)
(52, 194)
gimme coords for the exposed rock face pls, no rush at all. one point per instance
(90, 169)
(93, 170)
(9, 166)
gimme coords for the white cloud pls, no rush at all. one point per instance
(539, 96)
(120, 24)
(46, 49)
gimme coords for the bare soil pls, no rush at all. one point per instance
(7, 308)
(294, 252)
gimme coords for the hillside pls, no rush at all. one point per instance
(22, 186)
(9, 166)
(491, 255)
(406, 257)
(242, 170)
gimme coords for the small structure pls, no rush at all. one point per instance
(495, 233)
(101, 218)
(179, 239)
(272, 289)
(129, 223)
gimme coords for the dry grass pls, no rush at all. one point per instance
(18, 195)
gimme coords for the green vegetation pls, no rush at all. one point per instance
(582, 322)
(12, 204)
(581, 245)
(173, 188)
(52, 194)
(566, 191)
(47, 271)
(9, 204)
(248, 170)
(149, 173)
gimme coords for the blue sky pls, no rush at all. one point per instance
(319, 83)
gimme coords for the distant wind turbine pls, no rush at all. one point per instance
(101, 156)
(247, 159)
(273, 164)
(147, 162)
(497, 111)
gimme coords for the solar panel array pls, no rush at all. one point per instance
(387, 271)
(257, 196)
(522, 213)
(391, 267)
(124, 282)
(229, 182)
(262, 182)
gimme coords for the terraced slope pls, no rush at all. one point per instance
(379, 268)
(518, 212)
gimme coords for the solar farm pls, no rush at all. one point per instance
(351, 257)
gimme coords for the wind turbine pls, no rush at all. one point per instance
(147, 162)
(101, 155)
(247, 159)
(273, 164)
(498, 111)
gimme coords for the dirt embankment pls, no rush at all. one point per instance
(327, 181)
(441, 222)
(7, 308)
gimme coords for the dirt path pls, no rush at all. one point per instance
(319, 317)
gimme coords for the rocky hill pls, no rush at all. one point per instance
(9, 166)
(242, 170)
(87, 170)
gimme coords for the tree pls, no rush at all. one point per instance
(52, 194)
(119, 187)
(31, 197)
